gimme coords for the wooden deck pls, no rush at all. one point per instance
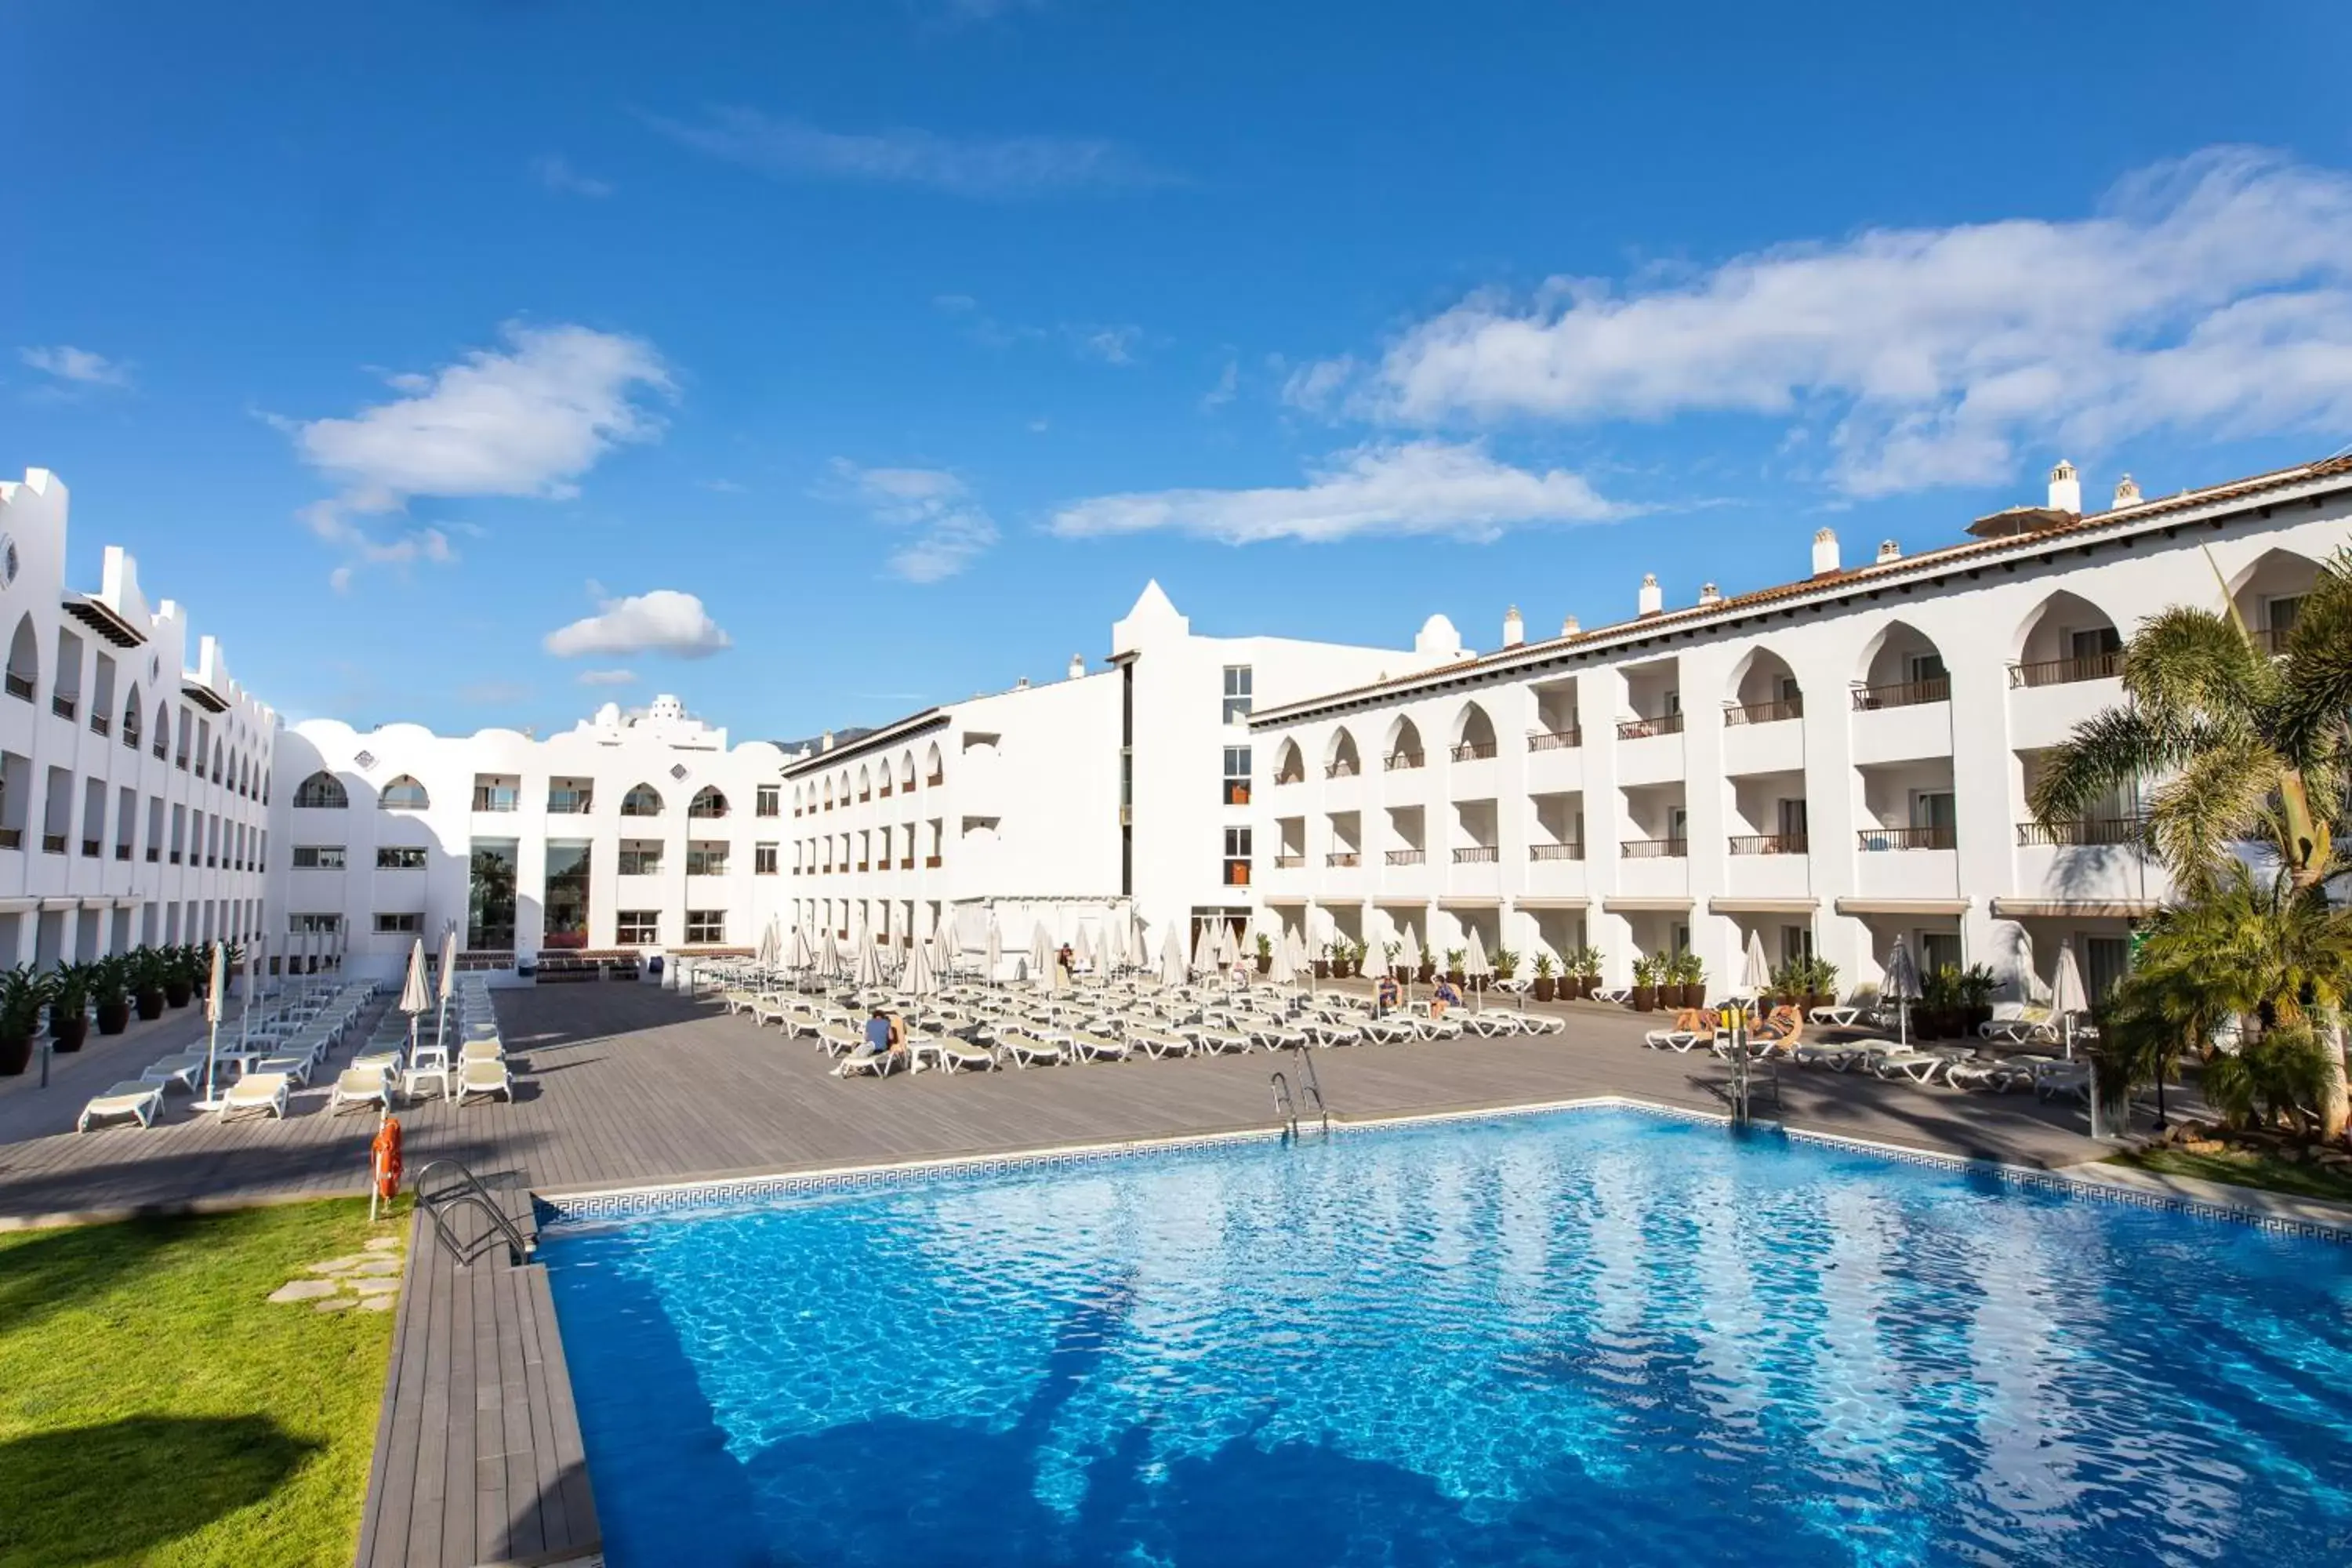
(479, 1459)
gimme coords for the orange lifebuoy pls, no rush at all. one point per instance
(385, 1158)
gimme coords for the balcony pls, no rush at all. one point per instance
(11, 838)
(1473, 751)
(64, 704)
(92, 849)
(930, 862)
(98, 724)
(1642, 729)
(1763, 712)
(1903, 694)
(1342, 770)
(1654, 849)
(496, 800)
(1288, 862)
(1554, 740)
(53, 843)
(2066, 672)
(122, 852)
(1343, 858)
(2095, 830)
(906, 862)
(569, 802)
(1876, 839)
(20, 686)
(885, 792)
(1555, 851)
(935, 781)
(1405, 856)
(1477, 854)
(1397, 761)
(1770, 843)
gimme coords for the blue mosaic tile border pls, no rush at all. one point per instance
(560, 1207)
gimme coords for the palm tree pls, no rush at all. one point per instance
(2247, 748)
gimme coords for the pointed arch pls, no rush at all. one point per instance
(643, 800)
(1340, 759)
(323, 790)
(405, 794)
(1763, 689)
(907, 770)
(1403, 748)
(1289, 763)
(1473, 734)
(2065, 638)
(133, 719)
(708, 801)
(1901, 665)
(2267, 594)
(935, 768)
(865, 782)
(25, 660)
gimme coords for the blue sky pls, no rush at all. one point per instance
(472, 364)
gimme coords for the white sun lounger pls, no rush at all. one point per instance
(141, 1100)
(183, 1070)
(257, 1090)
(1027, 1049)
(484, 1075)
(1919, 1067)
(1099, 1047)
(876, 1064)
(362, 1084)
(1158, 1044)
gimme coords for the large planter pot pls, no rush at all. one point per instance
(1456, 976)
(1645, 998)
(1586, 985)
(1322, 969)
(1265, 966)
(16, 1053)
(1546, 988)
(1426, 975)
(66, 1033)
(113, 1017)
(1694, 993)
(178, 992)
(151, 1005)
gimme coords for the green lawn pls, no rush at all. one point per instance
(154, 1408)
(2246, 1170)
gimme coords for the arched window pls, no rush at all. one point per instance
(1341, 762)
(134, 719)
(323, 791)
(1474, 738)
(865, 782)
(24, 661)
(1902, 667)
(643, 800)
(1405, 746)
(1764, 690)
(216, 762)
(935, 772)
(707, 802)
(1289, 768)
(163, 733)
(403, 794)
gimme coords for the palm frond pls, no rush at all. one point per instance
(2110, 749)
(2315, 704)
(2221, 793)
(2185, 666)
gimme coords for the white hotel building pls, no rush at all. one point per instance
(1832, 763)
(135, 780)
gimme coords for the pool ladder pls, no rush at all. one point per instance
(1310, 1092)
(464, 1190)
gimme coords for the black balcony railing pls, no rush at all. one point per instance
(64, 704)
(1555, 851)
(1654, 849)
(1769, 844)
(20, 686)
(1903, 694)
(1763, 712)
(1554, 740)
(100, 724)
(1878, 839)
(1396, 762)
(1342, 769)
(1641, 728)
(1405, 856)
(1343, 858)
(1473, 751)
(1289, 862)
(92, 849)
(53, 843)
(2066, 672)
(1476, 855)
(2090, 830)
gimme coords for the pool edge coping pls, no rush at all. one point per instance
(2281, 1213)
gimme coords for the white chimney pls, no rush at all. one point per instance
(1652, 601)
(2127, 493)
(1888, 551)
(2065, 489)
(1707, 594)
(826, 744)
(1022, 684)
(1568, 626)
(1515, 630)
(1077, 664)
(1825, 553)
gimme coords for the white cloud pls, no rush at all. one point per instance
(2209, 297)
(558, 175)
(663, 621)
(526, 420)
(982, 166)
(1228, 382)
(950, 529)
(1112, 345)
(79, 367)
(1411, 488)
(607, 676)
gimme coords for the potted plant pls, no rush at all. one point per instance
(1645, 982)
(1323, 964)
(1264, 953)
(1687, 980)
(1976, 986)
(1939, 997)
(180, 974)
(1427, 971)
(1545, 989)
(1454, 957)
(1507, 964)
(69, 985)
(150, 969)
(110, 985)
(1393, 951)
(24, 991)
(1587, 968)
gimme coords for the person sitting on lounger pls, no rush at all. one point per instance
(879, 1035)
(1446, 996)
(1385, 995)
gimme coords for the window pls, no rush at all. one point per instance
(640, 857)
(1237, 856)
(705, 925)
(322, 791)
(2105, 961)
(643, 800)
(1796, 944)
(399, 925)
(1237, 777)
(1932, 814)
(704, 859)
(1920, 668)
(768, 802)
(314, 924)
(400, 858)
(707, 802)
(1938, 950)
(1237, 693)
(318, 856)
(763, 860)
(639, 928)
(403, 794)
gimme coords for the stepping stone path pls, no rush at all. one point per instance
(369, 1280)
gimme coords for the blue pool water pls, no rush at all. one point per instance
(1592, 1337)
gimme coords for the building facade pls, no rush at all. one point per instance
(642, 832)
(135, 781)
(1830, 764)
(1122, 791)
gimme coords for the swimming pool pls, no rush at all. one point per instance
(1591, 1336)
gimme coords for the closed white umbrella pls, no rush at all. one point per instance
(1903, 984)
(1376, 959)
(868, 973)
(1411, 960)
(1476, 968)
(244, 1014)
(1114, 953)
(1756, 974)
(212, 1025)
(1204, 948)
(415, 996)
(2067, 996)
(992, 953)
(1083, 953)
(2030, 988)
(1282, 970)
(1041, 957)
(1171, 956)
(447, 983)
(802, 957)
(771, 946)
(919, 978)
(828, 958)
(1294, 947)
